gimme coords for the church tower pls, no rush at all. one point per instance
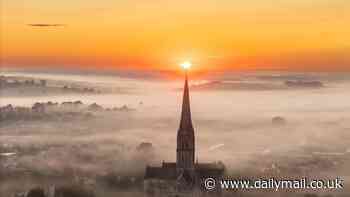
(185, 135)
(185, 177)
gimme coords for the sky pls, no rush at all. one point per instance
(287, 35)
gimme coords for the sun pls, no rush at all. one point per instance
(186, 65)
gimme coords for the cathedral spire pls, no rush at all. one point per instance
(185, 134)
(186, 121)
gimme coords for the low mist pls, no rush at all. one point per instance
(298, 132)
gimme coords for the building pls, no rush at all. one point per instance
(185, 177)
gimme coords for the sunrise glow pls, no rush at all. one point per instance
(290, 35)
(186, 65)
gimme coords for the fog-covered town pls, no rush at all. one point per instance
(100, 144)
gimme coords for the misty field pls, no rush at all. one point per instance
(261, 129)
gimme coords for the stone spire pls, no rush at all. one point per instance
(185, 152)
(186, 121)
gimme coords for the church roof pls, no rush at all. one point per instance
(160, 173)
(209, 169)
(169, 165)
(168, 171)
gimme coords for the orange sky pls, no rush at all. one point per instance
(301, 35)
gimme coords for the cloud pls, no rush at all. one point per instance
(236, 85)
(46, 25)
